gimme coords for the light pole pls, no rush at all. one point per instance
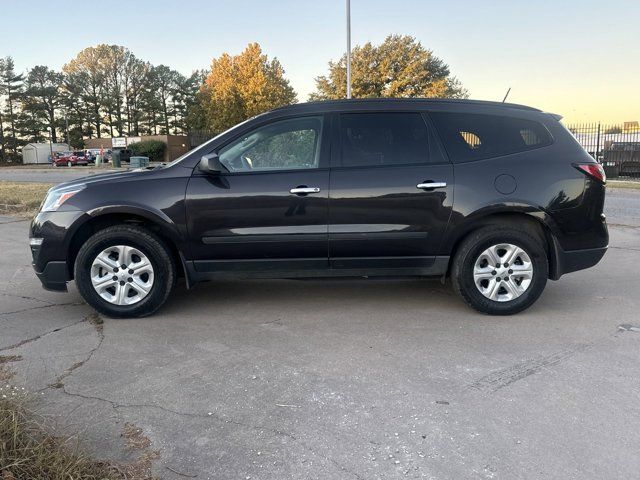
(348, 48)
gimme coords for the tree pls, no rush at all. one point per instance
(11, 88)
(149, 105)
(166, 81)
(195, 114)
(85, 74)
(398, 67)
(136, 80)
(242, 86)
(42, 98)
(185, 100)
(78, 111)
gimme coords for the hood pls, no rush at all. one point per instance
(105, 177)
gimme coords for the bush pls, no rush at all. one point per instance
(154, 149)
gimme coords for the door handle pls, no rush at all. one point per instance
(304, 190)
(431, 185)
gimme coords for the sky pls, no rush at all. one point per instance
(578, 58)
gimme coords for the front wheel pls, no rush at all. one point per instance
(501, 270)
(125, 271)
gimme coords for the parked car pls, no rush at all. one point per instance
(70, 159)
(91, 154)
(497, 197)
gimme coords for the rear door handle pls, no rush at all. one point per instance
(304, 190)
(431, 185)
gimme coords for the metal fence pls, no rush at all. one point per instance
(616, 146)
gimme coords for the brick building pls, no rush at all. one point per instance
(176, 144)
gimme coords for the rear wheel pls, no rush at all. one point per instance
(501, 270)
(125, 271)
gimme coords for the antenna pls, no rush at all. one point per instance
(506, 95)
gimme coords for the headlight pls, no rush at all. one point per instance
(56, 197)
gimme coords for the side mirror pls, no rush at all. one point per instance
(211, 164)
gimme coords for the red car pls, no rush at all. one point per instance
(70, 159)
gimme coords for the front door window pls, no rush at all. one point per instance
(283, 145)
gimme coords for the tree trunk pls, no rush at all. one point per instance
(12, 124)
(1, 138)
(52, 123)
(96, 111)
(166, 115)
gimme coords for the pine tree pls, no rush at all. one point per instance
(41, 100)
(86, 74)
(11, 88)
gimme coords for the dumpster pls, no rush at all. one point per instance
(139, 162)
(611, 169)
(115, 158)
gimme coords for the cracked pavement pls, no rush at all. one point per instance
(343, 379)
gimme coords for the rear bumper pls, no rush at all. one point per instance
(54, 277)
(574, 260)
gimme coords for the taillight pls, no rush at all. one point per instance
(594, 170)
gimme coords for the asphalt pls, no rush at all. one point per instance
(345, 379)
(49, 174)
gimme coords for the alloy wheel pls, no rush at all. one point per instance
(122, 275)
(503, 272)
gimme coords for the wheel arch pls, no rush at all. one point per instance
(537, 219)
(100, 219)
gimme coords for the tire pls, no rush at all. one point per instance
(137, 299)
(469, 274)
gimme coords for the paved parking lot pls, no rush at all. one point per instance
(48, 174)
(345, 379)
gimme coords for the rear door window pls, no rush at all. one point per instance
(469, 137)
(370, 139)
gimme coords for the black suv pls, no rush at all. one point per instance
(498, 197)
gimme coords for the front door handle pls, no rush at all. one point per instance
(304, 190)
(431, 185)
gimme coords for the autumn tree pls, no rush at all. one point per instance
(242, 86)
(398, 67)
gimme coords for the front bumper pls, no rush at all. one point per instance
(49, 257)
(54, 277)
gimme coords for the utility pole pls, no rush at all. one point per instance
(348, 48)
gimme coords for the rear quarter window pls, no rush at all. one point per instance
(469, 137)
